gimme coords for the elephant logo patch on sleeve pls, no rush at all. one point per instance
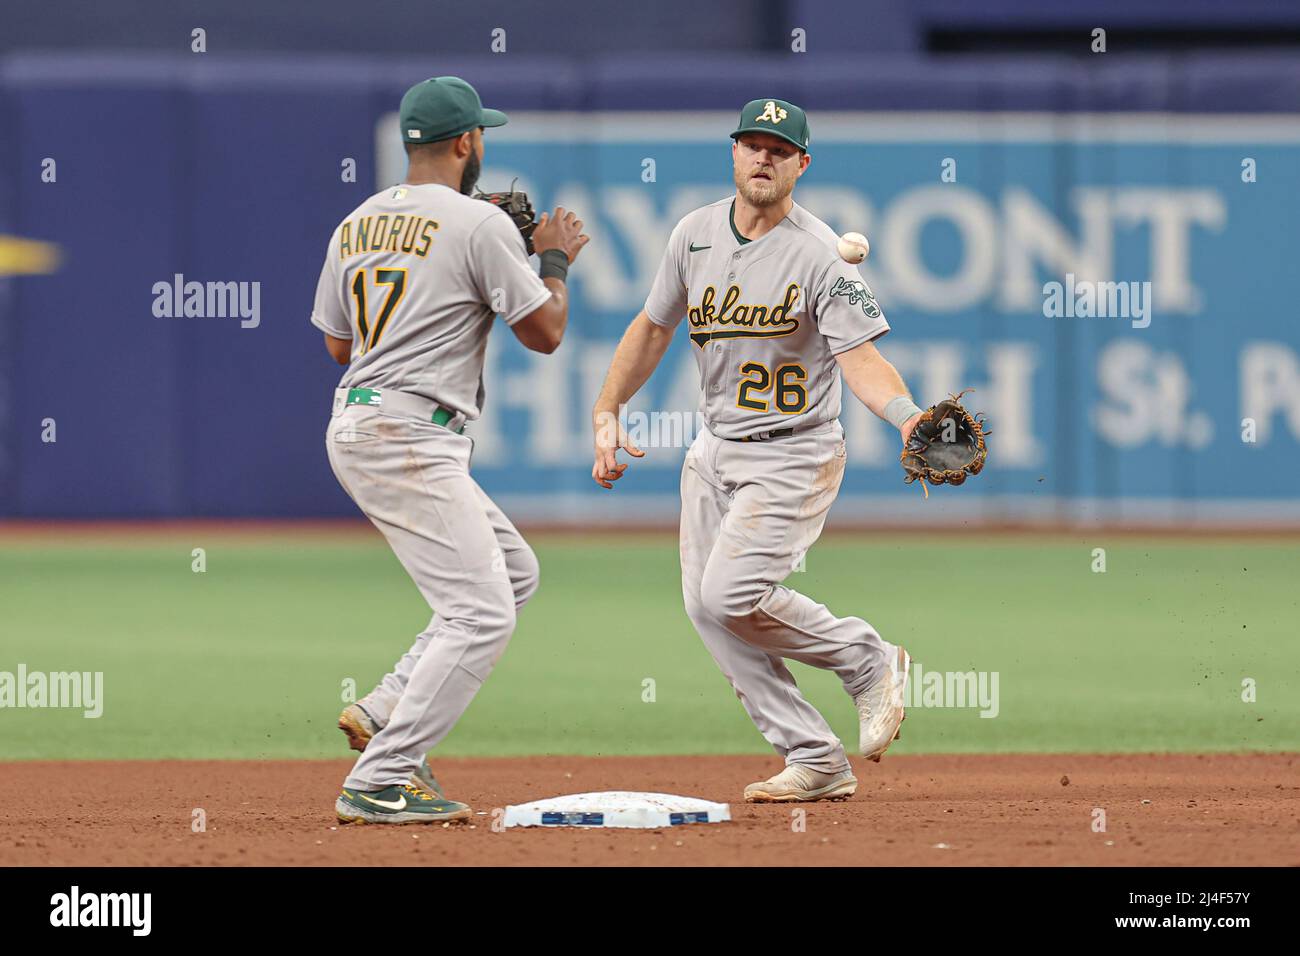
(858, 293)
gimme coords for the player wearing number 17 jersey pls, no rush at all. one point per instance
(412, 282)
(774, 318)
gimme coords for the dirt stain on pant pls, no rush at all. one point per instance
(825, 485)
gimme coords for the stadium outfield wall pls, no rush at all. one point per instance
(1167, 188)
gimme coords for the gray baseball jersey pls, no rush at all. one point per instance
(413, 276)
(766, 317)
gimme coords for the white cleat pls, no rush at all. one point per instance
(880, 708)
(799, 783)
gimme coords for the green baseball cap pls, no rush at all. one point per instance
(442, 107)
(778, 117)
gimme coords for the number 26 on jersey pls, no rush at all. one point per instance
(789, 394)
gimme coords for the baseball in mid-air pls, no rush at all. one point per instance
(853, 247)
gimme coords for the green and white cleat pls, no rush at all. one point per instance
(402, 803)
(358, 727)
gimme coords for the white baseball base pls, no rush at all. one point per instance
(617, 808)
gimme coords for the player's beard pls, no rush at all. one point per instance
(760, 192)
(469, 178)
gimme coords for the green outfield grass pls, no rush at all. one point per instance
(248, 659)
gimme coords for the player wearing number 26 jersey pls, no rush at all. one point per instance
(412, 282)
(776, 321)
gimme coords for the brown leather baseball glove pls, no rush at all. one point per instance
(514, 203)
(946, 445)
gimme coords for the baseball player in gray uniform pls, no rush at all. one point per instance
(413, 278)
(775, 319)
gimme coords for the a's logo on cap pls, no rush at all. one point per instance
(772, 113)
(413, 133)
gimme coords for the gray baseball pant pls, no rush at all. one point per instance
(411, 479)
(750, 511)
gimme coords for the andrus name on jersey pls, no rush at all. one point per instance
(409, 234)
(737, 320)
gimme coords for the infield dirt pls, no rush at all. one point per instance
(1183, 809)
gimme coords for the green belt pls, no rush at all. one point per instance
(371, 396)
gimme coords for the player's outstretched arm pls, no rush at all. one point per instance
(637, 356)
(877, 384)
(557, 239)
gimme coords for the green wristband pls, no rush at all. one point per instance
(555, 264)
